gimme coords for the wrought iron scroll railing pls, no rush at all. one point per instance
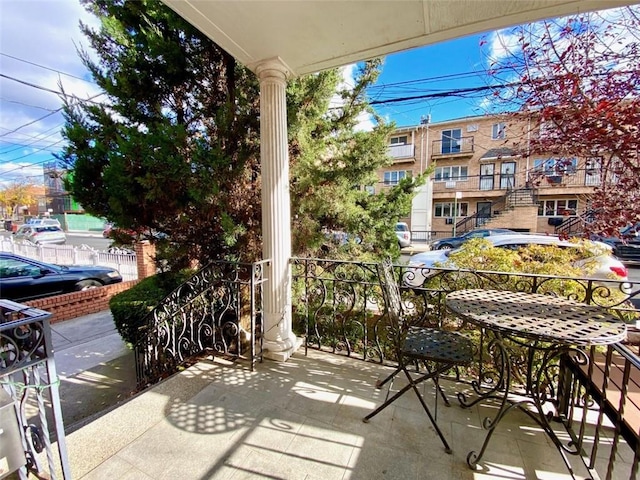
(337, 307)
(31, 426)
(217, 311)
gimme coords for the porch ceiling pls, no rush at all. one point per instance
(314, 35)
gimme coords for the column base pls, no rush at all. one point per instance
(281, 351)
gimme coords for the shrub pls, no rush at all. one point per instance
(130, 307)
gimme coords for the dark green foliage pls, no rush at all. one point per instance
(130, 307)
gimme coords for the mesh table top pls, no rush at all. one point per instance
(538, 317)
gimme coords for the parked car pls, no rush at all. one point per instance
(24, 279)
(40, 234)
(608, 266)
(454, 242)
(404, 234)
(626, 245)
(44, 222)
(123, 235)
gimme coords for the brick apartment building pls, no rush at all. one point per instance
(480, 180)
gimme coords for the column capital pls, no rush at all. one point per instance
(272, 69)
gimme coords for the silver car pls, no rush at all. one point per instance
(40, 234)
(607, 265)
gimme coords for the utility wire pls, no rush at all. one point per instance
(46, 68)
(45, 89)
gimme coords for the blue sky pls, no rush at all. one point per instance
(436, 68)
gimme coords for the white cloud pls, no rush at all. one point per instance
(365, 121)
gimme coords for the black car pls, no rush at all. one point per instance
(23, 279)
(454, 242)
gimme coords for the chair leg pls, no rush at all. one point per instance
(391, 376)
(413, 385)
(436, 381)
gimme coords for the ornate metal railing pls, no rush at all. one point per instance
(337, 307)
(29, 396)
(218, 311)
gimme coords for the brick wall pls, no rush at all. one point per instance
(76, 304)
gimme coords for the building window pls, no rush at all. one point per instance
(593, 171)
(398, 140)
(451, 140)
(370, 189)
(445, 174)
(556, 166)
(498, 131)
(557, 208)
(394, 176)
(445, 209)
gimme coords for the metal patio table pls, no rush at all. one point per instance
(550, 328)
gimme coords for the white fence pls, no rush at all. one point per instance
(69, 255)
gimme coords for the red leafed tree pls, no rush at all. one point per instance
(578, 79)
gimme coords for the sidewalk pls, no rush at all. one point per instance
(96, 369)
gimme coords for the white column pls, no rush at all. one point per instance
(279, 340)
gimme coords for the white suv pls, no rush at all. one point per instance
(49, 222)
(39, 234)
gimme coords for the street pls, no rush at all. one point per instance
(95, 240)
(76, 239)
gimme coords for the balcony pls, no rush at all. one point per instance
(576, 181)
(402, 153)
(218, 418)
(454, 148)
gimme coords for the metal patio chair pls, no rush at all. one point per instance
(434, 350)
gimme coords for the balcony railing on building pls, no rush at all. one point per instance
(400, 152)
(501, 181)
(452, 147)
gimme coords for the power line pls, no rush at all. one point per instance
(29, 165)
(31, 122)
(45, 89)
(35, 139)
(34, 152)
(46, 68)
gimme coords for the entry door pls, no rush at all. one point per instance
(484, 213)
(507, 175)
(486, 176)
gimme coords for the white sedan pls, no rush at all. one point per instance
(608, 266)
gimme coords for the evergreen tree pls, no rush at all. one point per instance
(174, 147)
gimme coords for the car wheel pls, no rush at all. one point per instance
(445, 246)
(87, 284)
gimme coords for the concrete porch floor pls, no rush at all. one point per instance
(302, 420)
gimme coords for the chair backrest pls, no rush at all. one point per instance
(391, 294)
